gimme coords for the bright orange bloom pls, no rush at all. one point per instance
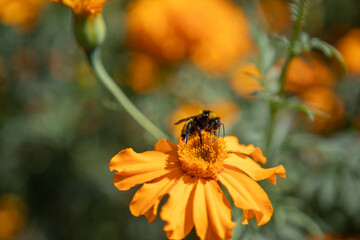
(84, 7)
(349, 47)
(312, 81)
(190, 174)
(244, 80)
(211, 33)
(276, 14)
(143, 71)
(20, 13)
(307, 71)
(328, 107)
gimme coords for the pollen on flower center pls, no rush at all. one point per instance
(202, 161)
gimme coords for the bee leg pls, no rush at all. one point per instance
(186, 138)
(223, 128)
(199, 132)
(187, 132)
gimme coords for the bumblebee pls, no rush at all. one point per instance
(207, 120)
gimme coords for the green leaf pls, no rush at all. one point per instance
(328, 50)
(281, 41)
(310, 114)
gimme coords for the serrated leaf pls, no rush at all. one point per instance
(310, 114)
(257, 78)
(328, 50)
(281, 39)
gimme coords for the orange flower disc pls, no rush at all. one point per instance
(202, 161)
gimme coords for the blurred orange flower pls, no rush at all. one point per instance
(12, 215)
(84, 7)
(244, 80)
(349, 47)
(307, 71)
(228, 111)
(276, 14)
(143, 72)
(20, 13)
(312, 81)
(212, 33)
(327, 105)
(190, 174)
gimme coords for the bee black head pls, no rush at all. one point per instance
(216, 122)
(205, 112)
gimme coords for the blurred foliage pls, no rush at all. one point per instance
(59, 127)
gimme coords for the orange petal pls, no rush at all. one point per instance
(136, 168)
(253, 169)
(146, 200)
(233, 145)
(247, 215)
(178, 210)
(165, 146)
(247, 195)
(212, 211)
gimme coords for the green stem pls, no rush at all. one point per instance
(270, 129)
(292, 52)
(94, 58)
(292, 48)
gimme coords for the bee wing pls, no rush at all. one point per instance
(188, 118)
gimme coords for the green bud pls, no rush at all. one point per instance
(90, 30)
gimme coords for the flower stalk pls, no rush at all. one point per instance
(292, 52)
(94, 58)
(270, 129)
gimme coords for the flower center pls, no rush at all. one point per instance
(202, 161)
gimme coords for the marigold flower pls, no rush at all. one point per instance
(307, 71)
(84, 7)
(143, 71)
(276, 14)
(190, 174)
(328, 107)
(349, 47)
(20, 13)
(211, 33)
(244, 80)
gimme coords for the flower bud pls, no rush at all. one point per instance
(89, 30)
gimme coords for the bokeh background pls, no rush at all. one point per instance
(59, 127)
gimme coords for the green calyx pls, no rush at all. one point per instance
(89, 30)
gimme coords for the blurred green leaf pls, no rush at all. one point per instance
(328, 50)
